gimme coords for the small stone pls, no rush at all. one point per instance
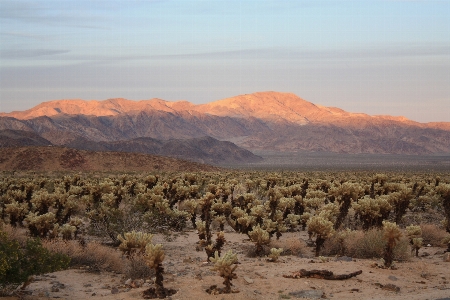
(114, 290)
(87, 285)
(55, 289)
(393, 278)
(248, 280)
(310, 294)
(344, 258)
(391, 287)
(93, 294)
(128, 281)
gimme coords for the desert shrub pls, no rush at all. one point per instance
(136, 268)
(365, 244)
(18, 262)
(433, 235)
(291, 246)
(94, 255)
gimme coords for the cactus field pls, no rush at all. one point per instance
(240, 234)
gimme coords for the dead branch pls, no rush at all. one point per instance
(321, 274)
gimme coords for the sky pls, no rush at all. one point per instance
(378, 57)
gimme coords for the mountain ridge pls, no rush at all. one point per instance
(258, 121)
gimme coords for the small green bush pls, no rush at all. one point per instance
(18, 262)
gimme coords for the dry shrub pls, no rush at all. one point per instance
(96, 256)
(291, 246)
(250, 251)
(136, 268)
(434, 235)
(15, 233)
(365, 244)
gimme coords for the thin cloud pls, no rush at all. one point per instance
(29, 53)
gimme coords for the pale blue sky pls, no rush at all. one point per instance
(377, 57)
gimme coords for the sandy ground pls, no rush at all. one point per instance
(186, 270)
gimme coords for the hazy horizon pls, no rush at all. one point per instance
(380, 57)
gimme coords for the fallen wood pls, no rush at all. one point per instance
(321, 274)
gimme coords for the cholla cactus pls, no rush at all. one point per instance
(414, 233)
(260, 237)
(67, 231)
(292, 221)
(321, 228)
(217, 247)
(40, 225)
(372, 211)
(275, 254)
(134, 241)
(345, 194)
(201, 229)
(443, 191)
(154, 256)
(190, 206)
(392, 235)
(77, 222)
(224, 266)
(42, 201)
(16, 212)
(400, 201)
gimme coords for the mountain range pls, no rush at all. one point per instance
(263, 121)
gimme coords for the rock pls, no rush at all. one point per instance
(447, 257)
(248, 280)
(344, 258)
(114, 290)
(393, 278)
(87, 285)
(54, 289)
(310, 294)
(93, 294)
(128, 281)
(425, 254)
(137, 283)
(391, 287)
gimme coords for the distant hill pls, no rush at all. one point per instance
(264, 121)
(18, 138)
(51, 158)
(204, 149)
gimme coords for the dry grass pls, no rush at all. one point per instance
(94, 255)
(434, 235)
